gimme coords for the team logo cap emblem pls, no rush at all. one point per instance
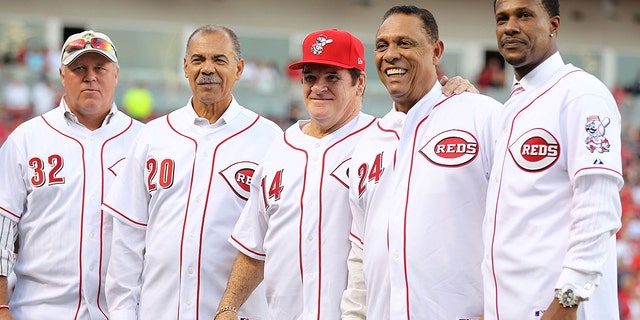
(332, 47)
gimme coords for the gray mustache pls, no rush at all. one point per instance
(208, 79)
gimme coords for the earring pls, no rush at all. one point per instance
(551, 35)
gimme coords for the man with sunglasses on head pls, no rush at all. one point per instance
(56, 169)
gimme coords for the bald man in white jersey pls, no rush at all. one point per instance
(182, 190)
(57, 168)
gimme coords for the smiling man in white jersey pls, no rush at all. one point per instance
(417, 187)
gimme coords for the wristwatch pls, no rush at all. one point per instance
(568, 298)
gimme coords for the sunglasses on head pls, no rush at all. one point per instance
(96, 43)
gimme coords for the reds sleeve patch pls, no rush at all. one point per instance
(596, 129)
(451, 148)
(238, 176)
(535, 150)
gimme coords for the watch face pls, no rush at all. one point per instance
(568, 298)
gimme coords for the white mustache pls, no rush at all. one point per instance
(208, 79)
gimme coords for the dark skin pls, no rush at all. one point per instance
(406, 59)
(523, 31)
(526, 37)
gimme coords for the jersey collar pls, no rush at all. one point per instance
(69, 115)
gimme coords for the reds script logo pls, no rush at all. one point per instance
(535, 150)
(238, 176)
(451, 148)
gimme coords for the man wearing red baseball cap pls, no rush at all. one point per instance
(294, 230)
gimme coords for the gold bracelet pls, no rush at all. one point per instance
(227, 308)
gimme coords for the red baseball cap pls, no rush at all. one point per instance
(332, 47)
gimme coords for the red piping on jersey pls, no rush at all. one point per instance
(102, 192)
(589, 168)
(319, 209)
(184, 223)
(123, 216)
(356, 237)
(406, 205)
(9, 212)
(388, 130)
(495, 214)
(321, 212)
(304, 185)
(111, 168)
(206, 205)
(395, 153)
(246, 248)
(84, 176)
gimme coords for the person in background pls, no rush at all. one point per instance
(56, 170)
(44, 96)
(183, 186)
(138, 102)
(17, 101)
(492, 75)
(553, 202)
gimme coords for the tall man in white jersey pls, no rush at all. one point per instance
(417, 186)
(553, 204)
(56, 170)
(182, 190)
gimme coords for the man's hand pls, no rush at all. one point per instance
(557, 312)
(5, 314)
(456, 85)
(227, 316)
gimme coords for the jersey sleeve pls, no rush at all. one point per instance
(593, 137)
(250, 229)
(13, 187)
(357, 222)
(594, 166)
(354, 297)
(8, 236)
(124, 274)
(128, 198)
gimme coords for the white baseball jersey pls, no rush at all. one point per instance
(56, 173)
(420, 185)
(565, 125)
(184, 187)
(298, 220)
